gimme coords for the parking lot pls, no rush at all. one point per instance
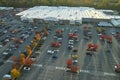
(51, 59)
(99, 66)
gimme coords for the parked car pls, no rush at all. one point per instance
(117, 68)
(54, 57)
(1, 45)
(27, 68)
(1, 61)
(50, 51)
(89, 53)
(70, 47)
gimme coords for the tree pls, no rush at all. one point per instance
(15, 73)
(34, 44)
(22, 59)
(28, 50)
(104, 4)
(118, 3)
(38, 37)
(29, 62)
(69, 62)
(74, 68)
(70, 2)
(44, 2)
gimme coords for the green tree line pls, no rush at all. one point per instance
(106, 4)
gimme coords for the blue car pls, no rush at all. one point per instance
(54, 57)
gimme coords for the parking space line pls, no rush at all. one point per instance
(81, 71)
(38, 65)
(100, 73)
(4, 47)
(114, 57)
(115, 51)
(60, 68)
(109, 74)
(9, 61)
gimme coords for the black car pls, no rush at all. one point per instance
(6, 56)
(70, 47)
(89, 53)
(75, 50)
(1, 62)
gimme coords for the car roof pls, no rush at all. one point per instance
(1, 60)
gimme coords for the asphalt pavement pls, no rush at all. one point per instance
(99, 66)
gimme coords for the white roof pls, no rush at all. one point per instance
(103, 10)
(103, 23)
(115, 22)
(6, 8)
(63, 13)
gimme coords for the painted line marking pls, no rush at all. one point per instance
(60, 68)
(109, 74)
(85, 71)
(38, 65)
(82, 71)
(91, 72)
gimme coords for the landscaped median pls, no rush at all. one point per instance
(25, 60)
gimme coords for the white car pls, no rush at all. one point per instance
(5, 31)
(50, 51)
(5, 53)
(99, 34)
(7, 77)
(35, 27)
(59, 38)
(113, 33)
(44, 38)
(31, 41)
(56, 51)
(74, 61)
(71, 40)
(71, 43)
(55, 37)
(12, 45)
(23, 34)
(7, 40)
(1, 46)
(27, 68)
(38, 52)
(26, 36)
(8, 50)
(70, 46)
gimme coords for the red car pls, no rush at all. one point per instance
(117, 68)
(55, 44)
(18, 40)
(92, 47)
